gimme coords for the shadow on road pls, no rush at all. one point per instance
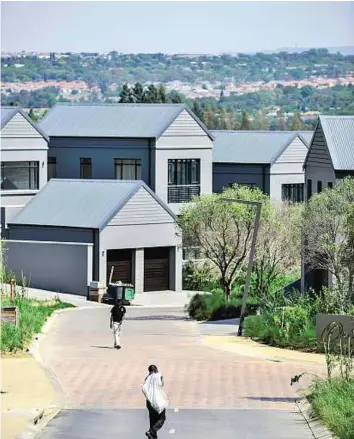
(159, 318)
(272, 398)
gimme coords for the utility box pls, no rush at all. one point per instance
(96, 291)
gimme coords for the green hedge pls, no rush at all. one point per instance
(33, 315)
(214, 306)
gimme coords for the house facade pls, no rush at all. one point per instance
(165, 145)
(24, 150)
(84, 230)
(330, 158)
(270, 160)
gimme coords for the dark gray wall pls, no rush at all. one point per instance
(58, 267)
(39, 233)
(226, 173)
(102, 152)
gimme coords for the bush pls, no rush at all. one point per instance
(333, 402)
(33, 315)
(198, 276)
(214, 306)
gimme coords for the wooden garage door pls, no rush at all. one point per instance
(156, 269)
(121, 260)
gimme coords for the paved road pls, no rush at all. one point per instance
(94, 376)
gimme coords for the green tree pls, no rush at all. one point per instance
(296, 123)
(151, 95)
(245, 121)
(197, 110)
(260, 122)
(138, 93)
(281, 121)
(33, 116)
(162, 94)
(222, 230)
(175, 97)
(125, 96)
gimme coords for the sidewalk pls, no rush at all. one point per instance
(27, 391)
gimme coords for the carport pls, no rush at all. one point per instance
(124, 223)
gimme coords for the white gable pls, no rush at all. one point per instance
(19, 127)
(184, 125)
(294, 153)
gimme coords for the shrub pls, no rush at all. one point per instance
(198, 276)
(215, 306)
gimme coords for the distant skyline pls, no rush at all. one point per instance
(174, 27)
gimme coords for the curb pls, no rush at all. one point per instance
(318, 430)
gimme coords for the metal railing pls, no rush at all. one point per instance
(183, 193)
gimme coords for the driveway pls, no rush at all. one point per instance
(102, 383)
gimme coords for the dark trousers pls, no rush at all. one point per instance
(156, 419)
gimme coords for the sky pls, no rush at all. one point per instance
(174, 27)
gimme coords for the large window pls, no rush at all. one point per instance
(127, 169)
(52, 167)
(19, 175)
(183, 180)
(292, 192)
(85, 168)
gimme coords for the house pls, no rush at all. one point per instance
(79, 229)
(331, 153)
(270, 160)
(164, 145)
(24, 149)
(330, 157)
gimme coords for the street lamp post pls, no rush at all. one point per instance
(257, 219)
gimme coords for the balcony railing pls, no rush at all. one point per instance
(183, 193)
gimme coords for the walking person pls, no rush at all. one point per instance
(156, 401)
(117, 315)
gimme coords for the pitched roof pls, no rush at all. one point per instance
(112, 120)
(339, 134)
(80, 203)
(253, 146)
(7, 113)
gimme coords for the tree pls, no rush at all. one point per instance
(33, 116)
(151, 95)
(278, 247)
(138, 93)
(296, 123)
(328, 228)
(245, 121)
(162, 94)
(175, 97)
(281, 121)
(260, 122)
(197, 110)
(222, 230)
(125, 95)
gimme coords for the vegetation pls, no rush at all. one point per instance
(333, 402)
(33, 315)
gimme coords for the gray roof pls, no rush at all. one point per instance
(7, 113)
(112, 120)
(339, 134)
(80, 203)
(253, 146)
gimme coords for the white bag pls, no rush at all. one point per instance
(154, 392)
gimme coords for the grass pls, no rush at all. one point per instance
(333, 402)
(33, 315)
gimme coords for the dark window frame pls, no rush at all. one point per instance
(309, 189)
(33, 174)
(319, 186)
(330, 185)
(292, 192)
(183, 178)
(52, 168)
(119, 164)
(85, 167)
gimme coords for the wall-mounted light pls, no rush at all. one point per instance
(103, 253)
(42, 164)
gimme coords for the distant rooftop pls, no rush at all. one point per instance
(111, 120)
(253, 146)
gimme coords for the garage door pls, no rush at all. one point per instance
(121, 260)
(156, 269)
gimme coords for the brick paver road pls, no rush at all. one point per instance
(93, 374)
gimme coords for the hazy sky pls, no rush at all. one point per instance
(174, 27)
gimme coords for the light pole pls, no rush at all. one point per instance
(257, 219)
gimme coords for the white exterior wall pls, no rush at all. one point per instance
(140, 224)
(21, 142)
(288, 168)
(183, 139)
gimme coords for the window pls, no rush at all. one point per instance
(19, 175)
(319, 187)
(52, 167)
(127, 169)
(85, 168)
(309, 189)
(293, 192)
(330, 185)
(183, 180)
